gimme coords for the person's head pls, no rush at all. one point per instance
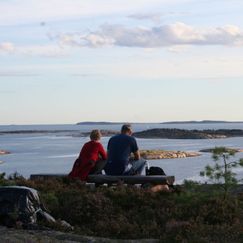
(95, 135)
(126, 129)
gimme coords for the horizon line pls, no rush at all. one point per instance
(129, 122)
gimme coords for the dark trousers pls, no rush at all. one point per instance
(99, 166)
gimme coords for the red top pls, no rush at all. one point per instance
(91, 151)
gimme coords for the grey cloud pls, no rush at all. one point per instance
(156, 17)
(155, 37)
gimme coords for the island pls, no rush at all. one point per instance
(200, 122)
(3, 152)
(99, 123)
(165, 133)
(228, 150)
(163, 154)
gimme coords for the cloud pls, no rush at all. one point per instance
(156, 17)
(6, 47)
(155, 37)
(33, 50)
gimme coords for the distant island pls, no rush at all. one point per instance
(188, 134)
(100, 123)
(200, 122)
(90, 123)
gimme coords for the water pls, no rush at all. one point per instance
(55, 153)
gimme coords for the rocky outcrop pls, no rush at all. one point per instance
(229, 150)
(162, 154)
(3, 152)
(189, 134)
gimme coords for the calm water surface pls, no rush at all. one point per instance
(55, 153)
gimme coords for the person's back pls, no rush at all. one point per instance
(92, 158)
(91, 152)
(119, 149)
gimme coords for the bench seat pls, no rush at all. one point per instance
(139, 179)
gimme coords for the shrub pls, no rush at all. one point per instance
(221, 173)
(134, 213)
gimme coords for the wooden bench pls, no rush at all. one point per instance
(132, 180)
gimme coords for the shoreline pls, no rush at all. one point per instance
(155, 133)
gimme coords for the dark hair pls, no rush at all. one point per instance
(126, 128)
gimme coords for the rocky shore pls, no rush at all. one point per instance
(163, 133)
(188, 134)
(3, 152)
(229, 150)
(162, 154)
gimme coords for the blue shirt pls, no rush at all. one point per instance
(119, 149)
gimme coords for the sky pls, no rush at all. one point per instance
(66, 61)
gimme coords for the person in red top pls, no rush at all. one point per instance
(91, 160)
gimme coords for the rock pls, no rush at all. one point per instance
(3, 152)
(162, 154)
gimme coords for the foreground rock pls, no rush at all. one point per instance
(162, 154)
(3, 152)
(40, 236)
(188, 134)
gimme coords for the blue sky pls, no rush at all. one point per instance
(64, 61)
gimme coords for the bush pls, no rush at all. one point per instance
(134, 213)
(221, 173)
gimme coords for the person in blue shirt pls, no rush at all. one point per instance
(119, 149)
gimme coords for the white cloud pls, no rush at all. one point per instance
(33, 50)
(155, 37)
(6, 47)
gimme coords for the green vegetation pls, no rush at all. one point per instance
(221, 173)
(191, 215)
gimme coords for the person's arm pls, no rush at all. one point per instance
(137, 155)
(135, 150)
(103, 153)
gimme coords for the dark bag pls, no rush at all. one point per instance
(154, 170)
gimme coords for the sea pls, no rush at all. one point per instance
(48, 152)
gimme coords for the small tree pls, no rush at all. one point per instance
(221, 173)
